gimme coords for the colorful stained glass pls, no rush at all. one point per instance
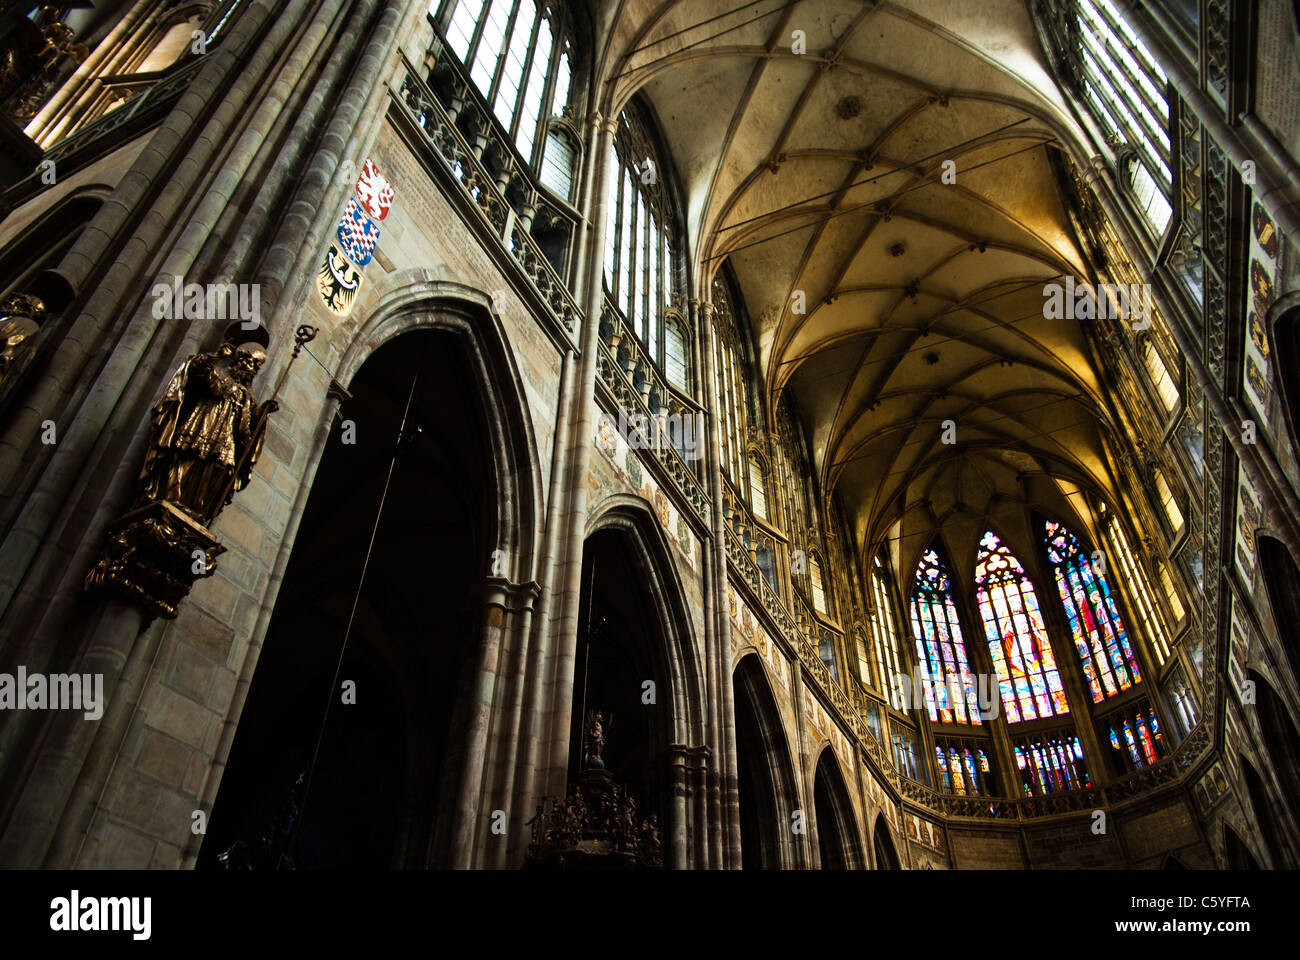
(1028, 680)
(949, 685)
(1050, 765)
(1109, 663)
(963, 768)
(1136, 738)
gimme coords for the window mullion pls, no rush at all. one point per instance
(525, 75)
(504, 55)
(477, 36)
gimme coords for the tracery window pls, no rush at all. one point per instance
(1028, 680)
(817, 586)
(640, 247)
(1176, 608)
(949, 685)
(1134, 737)
(733, 384)
(1183, 706)
(675, 365)
(883, 629)
(757, 488)
(1139, 591)
(1109, 664)
(963, 767)
(905, 754)
(864, 657)
(1163, 383)
(1125, 90)
(518, 55)
(1050, 764)
(1168, 502)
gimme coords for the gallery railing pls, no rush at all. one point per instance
(486, 194)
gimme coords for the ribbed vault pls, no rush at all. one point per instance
(822, 172)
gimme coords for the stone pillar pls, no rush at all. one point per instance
(505, 604)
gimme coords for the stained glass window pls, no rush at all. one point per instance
(950, 694)
(1050, 764)
(1109, 664)
(963, 767)
(1028, 680)
(1135, 737)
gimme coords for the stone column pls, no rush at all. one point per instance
(551, 777)
(505, 604)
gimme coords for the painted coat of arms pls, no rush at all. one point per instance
(374, 192)
(338, 281)
(357, 234)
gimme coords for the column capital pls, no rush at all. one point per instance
(509, 596)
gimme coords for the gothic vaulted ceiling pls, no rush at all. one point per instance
(822, 171)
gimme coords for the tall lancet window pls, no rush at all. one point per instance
(517, 55)
(950, 694)
(1028, 680)
(1103, 644)
(1125, 89)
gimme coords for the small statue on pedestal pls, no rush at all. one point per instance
(594, 740)
(206, 434)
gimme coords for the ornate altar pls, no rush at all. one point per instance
(595, 826)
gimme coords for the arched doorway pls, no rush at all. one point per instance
(389, 762)
(768, 796)
(1278, 730)
(1286, 351)
(1262, 808)
(837, 835)
(1237, 853)
(635, 664)
(883, 844)
(1282, 584)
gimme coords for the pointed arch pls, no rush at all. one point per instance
(837, 828)
(768, 793)
(883, 845)
(414, 300)
(1282, 586)
(1109, 663)
(652, 562)
(1236, 852)
(1264, 811)
(1277, 730)
(949, 685)
(1028, 679)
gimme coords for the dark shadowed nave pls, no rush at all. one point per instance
(650, 434)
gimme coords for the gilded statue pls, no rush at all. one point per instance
(32, 72)
(20, 316)
(207, 432)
